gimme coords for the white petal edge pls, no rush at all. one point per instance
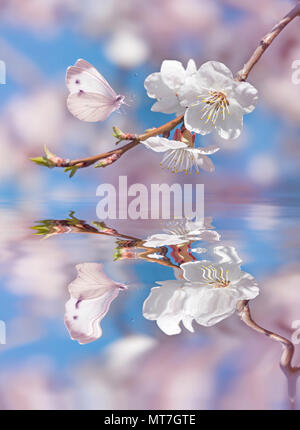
(161, 144)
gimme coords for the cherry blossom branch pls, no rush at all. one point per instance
(107, 158)
(163, 129)
(266, 41)
(288, 349)
(72, 224)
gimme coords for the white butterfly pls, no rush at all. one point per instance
(91, 97)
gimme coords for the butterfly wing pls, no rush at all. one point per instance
(86, 66)
(91, 282)
(89, 106)
(83, 76)
(91, 97)
(91, 295)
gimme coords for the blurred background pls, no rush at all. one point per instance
(252, 196)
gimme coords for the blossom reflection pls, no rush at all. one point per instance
(207, 293)
(177, 233)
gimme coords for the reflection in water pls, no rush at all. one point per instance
(207, 292)
(183, 232)
(208, 286)
(91, 295)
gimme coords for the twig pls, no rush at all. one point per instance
(165, 128)
(51, 227)
(266, 41)
(135, 140)
(287, 355)
(51, 160)
(88, 161)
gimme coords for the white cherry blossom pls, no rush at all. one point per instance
(208, 293)
(166, 85)
(180, 157)
(214, 100)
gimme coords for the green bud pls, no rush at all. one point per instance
(100, 164)
(43, 161)
(72, 170)
(117, 133)
(100, 225)
(117, 254)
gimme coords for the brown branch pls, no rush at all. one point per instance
(266, 41)
(51, 160)
(56, 226)
(88, 161)
(135, 140)
(166, 128)
(288, 349)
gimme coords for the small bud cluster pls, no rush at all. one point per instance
(108, 160)
(123, 254)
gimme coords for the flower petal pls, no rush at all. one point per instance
(205, 163)
(216, 305)
(246, 95)
(158, 240)
(193, 121)
(205, 235)
(155, 303)
(232, 125)
(167, 100)
(161, 144)
(227, 254)
(214, 75)
(155, 87)
(169, 104)
(192, 271)
(172, 73)
(247, 287)
(169, 324)
(164, 304)
(190, 92)
(191, 67)
(208, 150)
(187, 321)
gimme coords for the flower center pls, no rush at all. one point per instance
(215, 103)
(217, 278)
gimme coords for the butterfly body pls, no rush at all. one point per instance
(91, 97)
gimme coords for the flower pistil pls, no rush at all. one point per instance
(214, 104)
